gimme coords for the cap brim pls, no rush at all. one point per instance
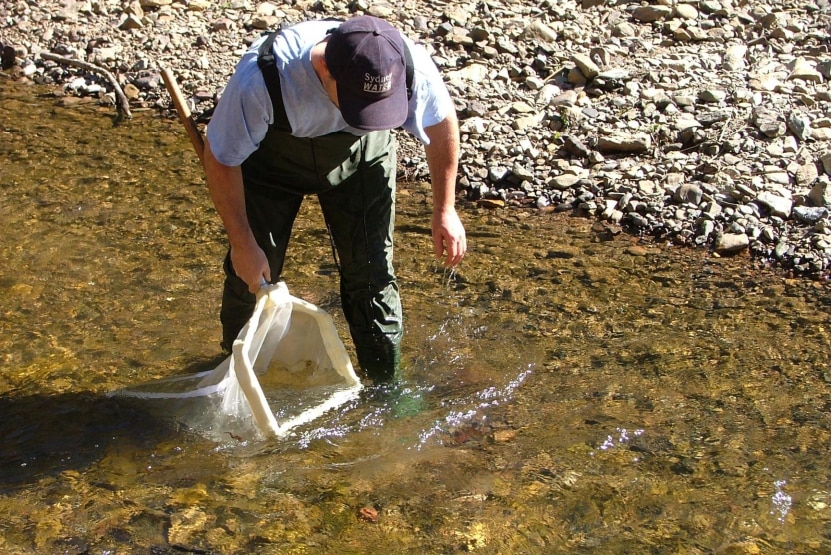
(374, 114)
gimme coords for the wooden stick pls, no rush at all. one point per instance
(184, 112)
(122, 103)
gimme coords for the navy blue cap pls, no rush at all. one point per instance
(365, 56)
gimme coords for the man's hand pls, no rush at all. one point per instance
(250, 265)
(448, 237)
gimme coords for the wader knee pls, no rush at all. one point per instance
(237, 305)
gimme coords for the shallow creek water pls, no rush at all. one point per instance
(564, 391)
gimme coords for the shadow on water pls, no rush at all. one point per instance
(45, 435)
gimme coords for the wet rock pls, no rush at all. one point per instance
(186, 526)
(741, 548)
(368, 513)
(563, 252)
(491, 203)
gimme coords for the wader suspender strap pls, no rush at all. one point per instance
(265, 61)
(408, 70)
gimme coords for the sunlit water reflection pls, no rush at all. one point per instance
(565, 390)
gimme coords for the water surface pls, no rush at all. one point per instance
(567, 390)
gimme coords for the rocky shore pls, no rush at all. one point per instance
(702, 123)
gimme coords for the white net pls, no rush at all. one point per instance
(288, 366)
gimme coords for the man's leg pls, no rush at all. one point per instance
(271, 217)
(360, 213)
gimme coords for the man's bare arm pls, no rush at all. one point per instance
(443, 157)
(225, 184)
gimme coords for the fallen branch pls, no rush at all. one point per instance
(122, 104)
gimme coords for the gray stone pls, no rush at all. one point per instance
(731, 243)
(779, 206)
(686, 11)
(713, 95)
(649, 14)
(821, 194)
(768, 122)
(586, 66)
(564, 181)
(800, 125)
(130, 22)
(540, 31)
(688, 193)
(810, 214)
(805, 70)
(806, 174)
(623, 142)
(734, 59)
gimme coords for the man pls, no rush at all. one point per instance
(321, 124)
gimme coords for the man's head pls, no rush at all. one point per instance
(365, 56)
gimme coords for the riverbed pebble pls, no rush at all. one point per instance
(710, 118)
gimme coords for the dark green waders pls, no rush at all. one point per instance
(354, 179)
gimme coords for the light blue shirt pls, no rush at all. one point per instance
(244, 111)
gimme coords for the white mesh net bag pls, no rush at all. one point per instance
(287, 367)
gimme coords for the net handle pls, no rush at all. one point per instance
(244, 370)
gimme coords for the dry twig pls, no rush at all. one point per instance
(122, 104)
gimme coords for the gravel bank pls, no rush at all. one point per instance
(701, 123)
